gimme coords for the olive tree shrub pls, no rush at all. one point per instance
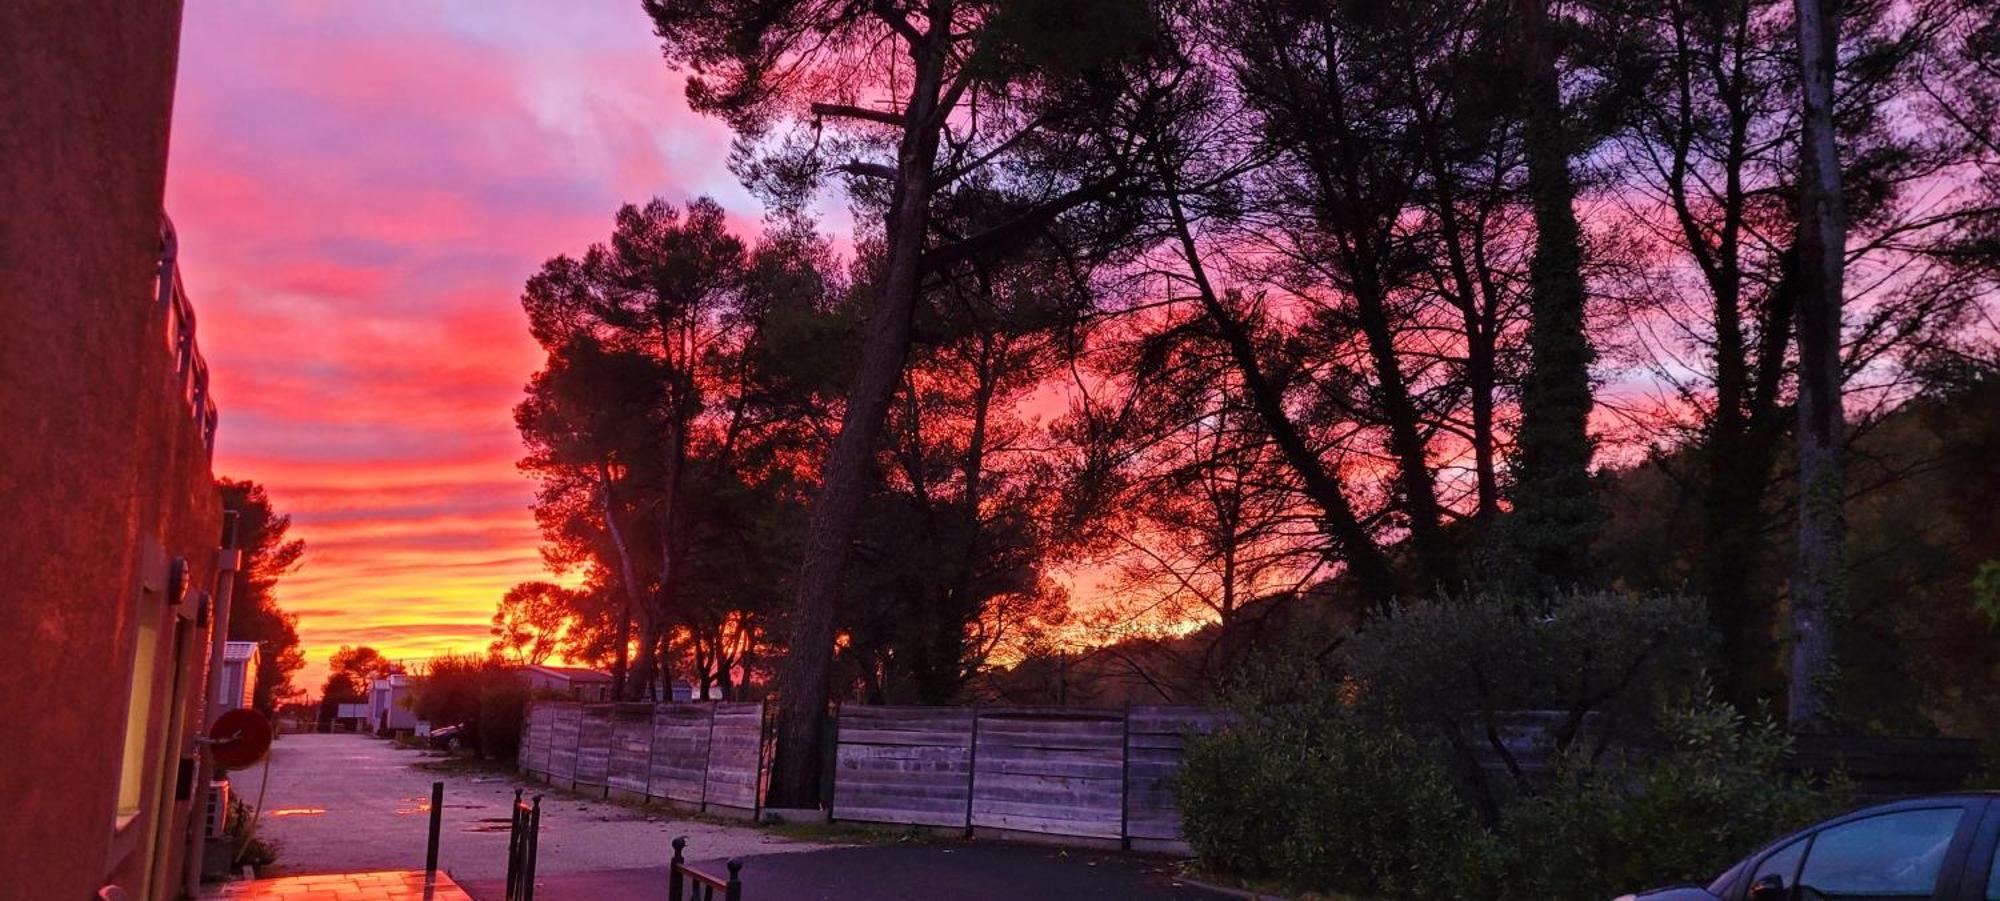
(1313, 796)
(1684, 815)
(1452, 671)
(1357, 774)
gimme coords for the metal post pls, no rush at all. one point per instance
(534, 849)
(515, 839)
(734, 890)
(437, 824)
(227, 560)
(674, 871)
(707, 757)
(971, 769)
(1125, 780)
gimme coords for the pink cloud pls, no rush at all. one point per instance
(360, 191)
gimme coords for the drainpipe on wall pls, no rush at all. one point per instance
(227, 560)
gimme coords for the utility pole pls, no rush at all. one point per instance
(228, 559)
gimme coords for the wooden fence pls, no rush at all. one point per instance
(1094, 775)
(703, 755)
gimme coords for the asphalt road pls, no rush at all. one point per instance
(345, 803)
(959, 871)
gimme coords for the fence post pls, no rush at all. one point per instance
(707, 756)
(971, 769)
(1125, 780)
(576, 762)
(733, 890)
(437, 823)
(652, 745)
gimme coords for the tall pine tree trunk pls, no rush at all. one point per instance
(1821, 566)
(628, 580)
(804, 681)
(1556, 515)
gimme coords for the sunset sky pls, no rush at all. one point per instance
(360, 191)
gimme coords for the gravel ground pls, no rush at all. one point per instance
(341, 803)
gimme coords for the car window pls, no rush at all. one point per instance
(1783, 862)
(1892, 855)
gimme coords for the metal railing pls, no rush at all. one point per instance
(189, 366)
(686, 883)
(523, 841)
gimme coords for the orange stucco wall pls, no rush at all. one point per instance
(104, 473)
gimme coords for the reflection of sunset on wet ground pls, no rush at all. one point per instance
(358, 803)
(357, 262)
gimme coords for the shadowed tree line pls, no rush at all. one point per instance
(254, 614)
(1221, 307)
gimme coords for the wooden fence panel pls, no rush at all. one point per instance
(1155, 745)
(535, 738)
(1097, 774)
(1053, 771)
(735, 752)
(680, 751)
(631, 746)
(566, 726)
(903, 765)
(1888, 766)
(593, 746)
(545, 724)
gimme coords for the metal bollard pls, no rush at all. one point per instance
(534, 849)
(674, 871)
(437, 824)
(515, 840)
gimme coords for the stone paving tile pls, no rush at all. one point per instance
(392, 885)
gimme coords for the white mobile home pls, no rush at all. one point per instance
(388, 705)
(239, 673)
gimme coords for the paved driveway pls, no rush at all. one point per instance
(955, 871)
(344, 803)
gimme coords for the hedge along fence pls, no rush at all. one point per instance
(703, 755)
(1094, 775)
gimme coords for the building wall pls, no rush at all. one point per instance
(104, 470)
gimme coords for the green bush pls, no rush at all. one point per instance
(1685, 816)
(1365, 782)
(1450, 671)
(1320, 800)
(502, 704)
(1447, 662)
(484, 695)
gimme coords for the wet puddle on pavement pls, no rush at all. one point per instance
(297, 812)
(423, 805)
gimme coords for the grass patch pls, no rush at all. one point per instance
(1191, 871)
(852, 833)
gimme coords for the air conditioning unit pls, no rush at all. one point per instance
(217, 815)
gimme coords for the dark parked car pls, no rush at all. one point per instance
(1940, 847)
(447, 738)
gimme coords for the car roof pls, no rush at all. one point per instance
(1862, 811)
